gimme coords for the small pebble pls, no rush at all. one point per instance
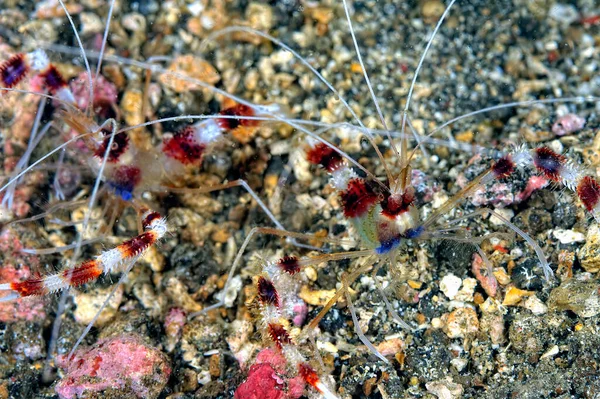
(501, 275)
(568, 236)
(568, 124)
(514, 296)
(174, 322)
(450, 285)
(445, 389)
(492, 321)
(239, 341)
(578, 296)
(191, 66)
(229, 296)
(504, 212)
(566, 14)
(459, 363)
(316, 297)
(311, 273)
(589, 254)
(89, 303)
(535, 304)
(466, 292)
(432, 9)
(551, 352)
(260, 16)
(461, 323)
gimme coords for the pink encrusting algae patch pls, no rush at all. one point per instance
(533, 184)
(125, 363)
(568, 124)
(27, 309)
(300, 313)
(267, 379)
(488, 282)
(105, 93)
(174, 321)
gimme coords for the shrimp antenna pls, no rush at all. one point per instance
(284, 46)
(102, 49)
(404, 144)
(83, 54)
(368, 81)
(362, 65)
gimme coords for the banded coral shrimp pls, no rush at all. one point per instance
(399, 279)
(273, 286)
(14, 69)
(184, 146)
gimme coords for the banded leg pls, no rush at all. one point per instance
(238, 257)
(155, 228)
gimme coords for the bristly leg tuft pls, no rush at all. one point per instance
(267, 294)
(13, 70)
(549, 163)
(588, 191)
(289, 264)
(503, 167)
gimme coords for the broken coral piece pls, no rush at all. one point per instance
(124, 364)
(267, 379)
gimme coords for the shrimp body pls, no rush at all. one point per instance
(381, 218)
(132, 170)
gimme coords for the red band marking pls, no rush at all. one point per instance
(588, 191)
(53, 79)
(118, 147)
(83, 273)
(237, 110)
(184, 148)
(324, 156)
(289, 264)
(308, 374)
(150, 218)
(13, 70)
(29, 287)
(267, 294)
(503, 167)
(137, 244)
(279, 335)
(358, 198)
(549, 163)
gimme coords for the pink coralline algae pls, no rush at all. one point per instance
(533, 184)
(568, 124)
(487, 280)
(503, 194)
(267, 379)
(300, 313)
(105, 94)
(122, 363)
(26, 309)
(174, 322)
